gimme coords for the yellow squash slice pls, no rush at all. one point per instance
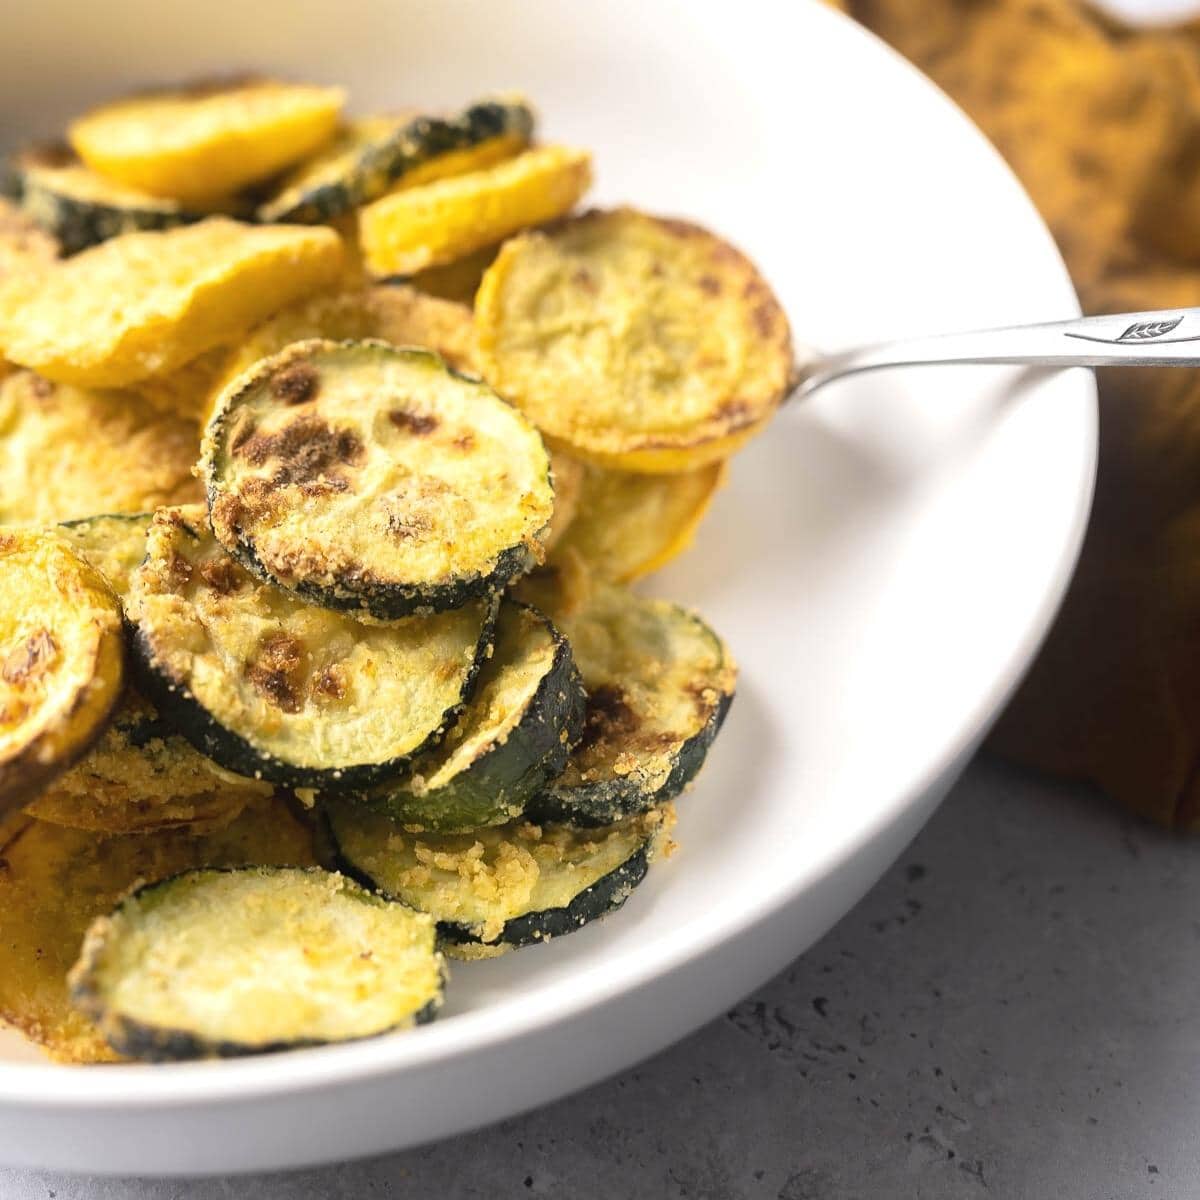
(627, 524)
(61, 660)
(209, 140)
(637, 342)
(423, 226)
(55, 881)
(68, 452)
(392, 313)
(24, 247)
(146, 303)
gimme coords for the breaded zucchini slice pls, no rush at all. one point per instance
(512, 739)
(80, 207)
(68, 452)
(395, 314)
(509, 885)
(662, 348)
(219, 963)
(208, 140)
(24, 247)
(55, 881)
(659, 683)
(373, 478)
(628, 524)
(423, 226)
(142, 777)
(370, 154)
(144, 304)
(567, 473)
(274, 688)
(62, 660)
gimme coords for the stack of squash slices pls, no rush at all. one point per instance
(328, 448)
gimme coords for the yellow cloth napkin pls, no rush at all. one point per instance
(1102, 124)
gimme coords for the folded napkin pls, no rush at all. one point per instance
(1102, 124)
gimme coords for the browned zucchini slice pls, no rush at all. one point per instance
(371, 153)
(274, 688)
(218, 963)
(144, 304)
(512, 739)
(55, 881)
(207, 140)
(68, 452)
(80, 207)
(399, 315)
(627, 524)
(659, 683)
(369, 477)
(61, 660)
(418, 227)
(663, 349)
(507, 886)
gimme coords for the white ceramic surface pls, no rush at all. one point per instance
(883, 563)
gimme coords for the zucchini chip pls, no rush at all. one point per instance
(55, 881)
(512, 739)
(509, 885)
(567, 473)
(368, 477)
(395, 314)
(663, 348)
(628, 524)
(140, 775)
(80, 207)
(24, 248)
(371, 153)
(281, 690)
(146, 303)
(208, 140)
(61, 660)
(218, 963)
(68, 452)
(659, 684)
(419, 227)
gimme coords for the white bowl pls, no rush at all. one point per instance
(884, 561)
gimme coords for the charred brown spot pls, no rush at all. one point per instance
(39, 388)
(32, 658)
(583, 279)
(7, 543)
(764, 319)
(296, 384)
(406, 525)
(411, 422)
(276, 673)
(221, 574)
(179, 571)
(330, 682)
(465, 442)
(243, 431)
(734, 413)
(305, 449)
(607, 716)
(710, 285)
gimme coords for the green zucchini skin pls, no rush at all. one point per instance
(604, 896)
(382, 163)
(79, 221)
(496, 785)
(228, 748)
(603, 801)
(149, 1043)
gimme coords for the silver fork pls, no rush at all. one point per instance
(1146, 339)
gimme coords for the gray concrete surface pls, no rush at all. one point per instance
(1013, 1012)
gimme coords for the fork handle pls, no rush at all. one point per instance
(1170, 338)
